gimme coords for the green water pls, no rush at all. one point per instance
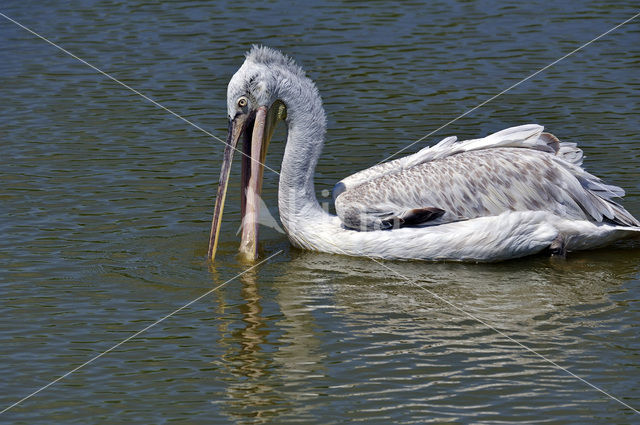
(106, 201)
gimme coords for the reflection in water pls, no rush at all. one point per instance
(262, 371)
(345, 326)
(249, 396)
(252, 336)
(512, 292)
(391, 340)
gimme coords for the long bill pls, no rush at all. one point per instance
(236, 128)
(251, 192)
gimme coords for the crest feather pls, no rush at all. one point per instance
(271, 57)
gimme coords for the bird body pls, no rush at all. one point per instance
(514, 193)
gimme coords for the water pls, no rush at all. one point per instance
(106, 202)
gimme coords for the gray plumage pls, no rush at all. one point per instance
(518, 169)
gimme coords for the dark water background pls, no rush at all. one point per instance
(105, 204)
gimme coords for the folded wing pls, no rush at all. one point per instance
(517, 169)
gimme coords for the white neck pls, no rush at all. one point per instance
(297, 201)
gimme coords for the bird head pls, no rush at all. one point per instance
(253, 109)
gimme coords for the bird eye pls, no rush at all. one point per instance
(242, 102)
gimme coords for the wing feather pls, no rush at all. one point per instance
(526, 136)
(518, 169)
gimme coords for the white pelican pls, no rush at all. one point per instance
(513, 193)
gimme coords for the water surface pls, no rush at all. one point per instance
(106, 201)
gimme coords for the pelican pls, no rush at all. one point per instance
(516, 192)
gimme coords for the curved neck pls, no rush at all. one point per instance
(306, 128)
